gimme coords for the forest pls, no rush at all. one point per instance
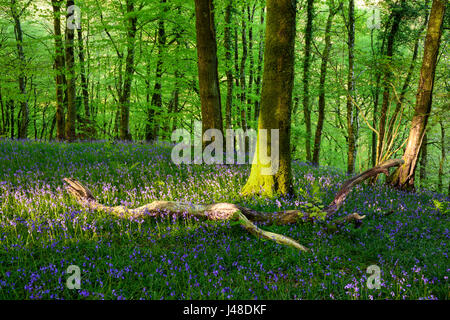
(348, 99)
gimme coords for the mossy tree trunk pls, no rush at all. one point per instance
(403, 177)
(276, 103)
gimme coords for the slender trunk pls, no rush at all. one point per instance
(11, 108)
(443, 153)
(156, 102)
(84, 80)
(228, 63)
(323, 74)
(3, 127)
(59, 70)
(124, 100)
(250, 14)
(352, 116)
(306, 77)
(23, 122)
(423, 160)
(259, 66)
(70, 78)
(405, 87)
(242, 81)
(403, 177)
(397, 16)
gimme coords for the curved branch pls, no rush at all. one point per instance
(233, 212)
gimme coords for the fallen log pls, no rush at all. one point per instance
(233, 212)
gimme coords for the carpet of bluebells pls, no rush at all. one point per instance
(43, 231)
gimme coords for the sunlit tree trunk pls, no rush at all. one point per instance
(276, 102)
(403, 177)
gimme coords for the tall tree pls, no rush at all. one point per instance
(306, 76)
(156, 102)
(259, 65)
(276, 102)
(323, 74)
(403, 177)
(398, 13)
(228, 63)
(207, 65)
(70, 77)
(59, 69)
(124, 99)
(352, 112)
(23, 122)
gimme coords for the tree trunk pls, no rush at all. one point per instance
(59, 69)
(306, 77)
(259, 67)
(156, 102)
(207, 66)
(352, 113)
(250, 15)
(323, 74)
(276, 102)
(389, 136)
(23, 122)
(228, 63)
(242, 81)
(403, 177)
(443, 153)
(124, 100)
(423, 160)
(70, 78)
(397, 16)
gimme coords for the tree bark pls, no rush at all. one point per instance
(124, 100)
(306, 77)
(352, 113)
(323, 74)
(59, 69)
(228, 63)
(207, 66)
(242, 80)
(443, 153)
(70, 78)
(259, 66)
(276, 103)
(403, 177)
(398, 13)
(156, 102)
(23, 122)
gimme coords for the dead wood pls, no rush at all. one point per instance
(233, 212)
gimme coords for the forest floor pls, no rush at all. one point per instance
(43, 231)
